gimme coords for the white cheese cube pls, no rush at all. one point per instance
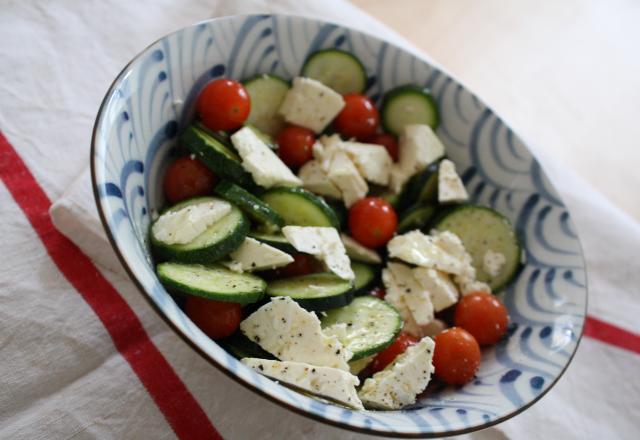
(493, 262)
(184, 225)
(396, 298)
(450, 186)
(398, 176)
(291, 333)
(261, 162)
(255, 255)
(310, 104)
(357, 252)
(315, 179)
(399, 383)
(416, 297)
(373, 161)
(325, 244)
(469, 285)
(417, 248)
(441, 289)
(327, 382)
(344, 174)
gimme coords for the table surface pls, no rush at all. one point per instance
(565, 75)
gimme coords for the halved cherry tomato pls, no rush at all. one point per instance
(186, 178)
(295, 146)
(372, 221)
(303, 264)
(388, 355)
(457, 356)
(378, 292)
(388, 141)
(217, 319)
(223, 104)
(483, 315)
(359, 118)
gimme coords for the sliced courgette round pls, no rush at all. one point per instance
(267, 93)
(336, 69)
(406, 105)
(366, 277)
(211, 282)
(421, 188)
(300, 207)
(371, 325)
(276, 240)
(316, 292)
(482, 229)
(216, 242)
(416, 217)
(255, 208)
(242, 347)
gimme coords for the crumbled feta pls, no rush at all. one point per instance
(327, 382)
(325, 244)
(291, 333)
(441, 289)
(344, 174)
(373, 161)
(405, 286)
(450, 186)
(395, 297)
(310, 104)
(255, 255)
(357, 252)
(315, 179)
(433, 328)
(422, 250)
(261, 162)
(184, 225)
(493, 262)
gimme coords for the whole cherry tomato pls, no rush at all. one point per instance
(388, 141)
(372, 221)
(223, 104)
(295, 146)
(186, 178)
(358, 118)
(217, 319)
(483, 315)
(388, 355)
(456, 357)
(378, 292)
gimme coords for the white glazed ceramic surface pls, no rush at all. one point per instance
(150, 102)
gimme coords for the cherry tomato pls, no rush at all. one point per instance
(295, 146)
(359, 117)
(457, 356)
(372, 221)
(186, 178)
(303, 264)
(217, 319)
(483, 315)
(388, 355)
(378, 292)
(223, 104)
(388, 141)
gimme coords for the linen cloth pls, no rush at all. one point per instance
(60, 374)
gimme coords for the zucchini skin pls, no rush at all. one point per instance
(250, 205)
(315, 304)
(330, 216)
(401, 91)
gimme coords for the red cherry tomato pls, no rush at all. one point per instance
(216, 319)
(483, 315)
(359, 117)
(378, 292)
(388, 141)
(388, 355)
(372, 221)
(457, 356)
(186, 178)
(303, 264)
(223, 104)
(295, 146)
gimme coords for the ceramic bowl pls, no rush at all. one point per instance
(151, 100)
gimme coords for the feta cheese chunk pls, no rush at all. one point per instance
(291, 333)
(422, 250)
(326, 382)
(441, 289)
(403, 287)
(344, 174)
(493, 262)
(399, 384)
(325, 244)
(315, 179)
(310, 104)
(450, 186)
(357, 252)
(183, 225)
(373, 161)
(261, 162)
(255, 255)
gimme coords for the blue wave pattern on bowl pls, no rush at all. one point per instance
(152, 100)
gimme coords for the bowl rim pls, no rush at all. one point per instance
(245, 383)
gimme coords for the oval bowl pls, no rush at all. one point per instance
(135, 136)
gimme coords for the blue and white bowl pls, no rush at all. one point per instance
(150, 102)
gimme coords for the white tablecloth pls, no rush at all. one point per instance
(61, 376)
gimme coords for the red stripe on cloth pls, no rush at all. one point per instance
(611, 334)
(177, 404)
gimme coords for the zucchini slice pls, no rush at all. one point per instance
(211, 282)
(242, 347)
(315, 292)
(371, 325)
(266, 93)
(482, 229)
(300, 207)
(416, 217)
(336, 69)
(366, 277)
(421, 188)
(278, 241)
(255, 208)
(406, 105)
(216, 242)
